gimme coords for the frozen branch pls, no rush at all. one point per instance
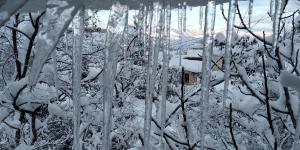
(231, 128)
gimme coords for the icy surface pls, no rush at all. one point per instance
(166, 55)
(152, 70)
(289, 80)
(228, 46)
(210, 14)
(78, 25)
(58, 17)
(9, 8)
(115, 32)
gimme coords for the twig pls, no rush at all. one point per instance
(185, 122)
(265, 46)
(246, 28)
(18, 30)
(296, 63)
(15, 48)
(36, 27)
(231, 128)
(269, 113)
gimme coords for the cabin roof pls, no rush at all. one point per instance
(189, 65)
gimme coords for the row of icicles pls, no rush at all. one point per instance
(154, 23)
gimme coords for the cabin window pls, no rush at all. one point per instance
(186, 77)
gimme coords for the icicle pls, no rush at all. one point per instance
(250, 12)
(227, 57)
(180, 32)
(184, 17)
(166, 55)
(54, 63)
(145, 19)
(125, 37)
(115, 31)
(76, 73)
(210, 13)
(46, 41)
(276, 24)
(152, 70)
(140, 22)
(66, 41)
(148, 100)
(272, 9)
(201, 18)
(179, 15)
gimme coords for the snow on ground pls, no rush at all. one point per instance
(93, 72)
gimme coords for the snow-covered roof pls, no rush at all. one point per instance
(194, 53)
(189, 65)
(191, 61)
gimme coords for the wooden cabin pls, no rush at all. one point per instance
(192, 77)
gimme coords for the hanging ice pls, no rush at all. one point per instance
(250, 13)
(148, 100)
(227, 57)
(115, 28)
(152, 70)
(201, 17)
(76, 74)
(210, 13)
(54, 63)
(180, 31)
(276, 24)
(57, 19)
(166, 55)
(125, 37)
(140, 22)
(144, 34)
(184, 17)
(272, 9)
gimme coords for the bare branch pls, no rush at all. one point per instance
(246, 28)
(185, 121)
(231, 128)
(31, 42)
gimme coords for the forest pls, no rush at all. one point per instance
(149, 75)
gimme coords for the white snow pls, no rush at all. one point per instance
(23, 146)
(4, 112)
(54, 109)
(189, 65)
(289, 80)
(58, 19)
(220, 37)
(26, 27)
